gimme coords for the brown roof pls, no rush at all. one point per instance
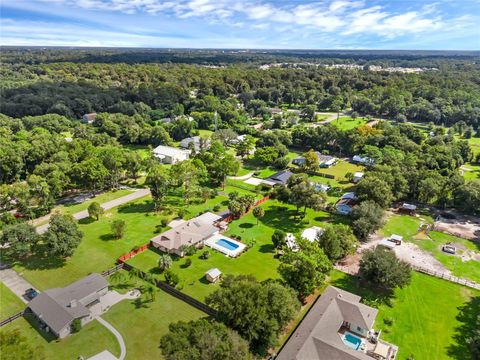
(317, 335)
(188, 233)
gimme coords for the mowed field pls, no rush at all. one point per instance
(432, 318)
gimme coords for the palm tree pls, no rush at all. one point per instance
(118, 277)
(150, 292)
(164, 262)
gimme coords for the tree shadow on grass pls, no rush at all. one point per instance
(283, 218)
(86, 221)
(108, 237)
(144, 207)
(468, 319)
(40, 259)
(141, 303)
(246, 225)
(267, 248)
(371, 295)
(34, 323)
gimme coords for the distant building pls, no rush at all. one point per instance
(280, 178)
(337, 327)
(276, 111)
(89, 118)
(311, 234)
(363, 160)
(357, 177)
(197, 141)
(58, 308)
(409, 209)
(345, 205)
(170, 155)
(324, 161)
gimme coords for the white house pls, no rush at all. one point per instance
(89, 118)
(363, 160)
(197, 141)
(213, 275)
(311, 234)
(357, 176)
(291, 242)
(170, 155)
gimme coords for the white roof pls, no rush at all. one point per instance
(358, 174)
(381, 349)
(209, 217)
(409, 206)
(213, 272)
(291, 242)
(387, 244)
(349, 195)
(396, 237)
(162, 150)
(311, 234)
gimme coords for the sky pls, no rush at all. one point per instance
(252, 24)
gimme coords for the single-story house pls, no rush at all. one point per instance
(397, 239)
(387, 244)
(58, 308)
(170, 155)
(213, 275)
(324, 161)
(321, 187)
(357, 176)
(408, 209)
(193, 232)
(337, 327)
(363, 160)
(197, 141)
(276, 111)
(89, 118)
(312, 233)
(280, 178)
(345, 205)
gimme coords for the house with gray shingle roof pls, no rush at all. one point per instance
(337, 327)
(58, 308)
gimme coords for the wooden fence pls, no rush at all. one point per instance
(113, 270)
(448, 277)
(133, 253)
(11, 318)
(230, 218)
(177, 293)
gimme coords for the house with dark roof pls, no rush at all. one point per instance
(345, 205)
(337, 327)
(58, 308)
(280, 178)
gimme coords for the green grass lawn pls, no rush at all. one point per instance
(98, 250)
(471, 172)
(431, 317)
(9, 302)
(347, 123)
(142, 324)
(465, 269)
(259, 260)
(404, 225)
(92, 339)
(101, 198)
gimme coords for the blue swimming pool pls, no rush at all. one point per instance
(352, 341)
(227, 244)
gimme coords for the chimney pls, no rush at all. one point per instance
(73, 303)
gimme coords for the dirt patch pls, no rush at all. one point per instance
(415, 256)
(466, 227)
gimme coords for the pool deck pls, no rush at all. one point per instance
(212, 243)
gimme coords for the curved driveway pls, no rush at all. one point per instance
(123, 348)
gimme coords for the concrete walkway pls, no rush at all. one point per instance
(16, 283)
(244, 177)
(123, 348)
(106, 206)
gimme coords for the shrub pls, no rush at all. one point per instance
(76, 325)
(388, 321)
(188, 262)
(205, 255)
(171, 278)
(217, 208)
(164, 221)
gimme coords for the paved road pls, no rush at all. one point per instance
(123, 348)
(15, 282)
(106, 206)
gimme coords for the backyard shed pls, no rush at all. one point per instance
(213, 275)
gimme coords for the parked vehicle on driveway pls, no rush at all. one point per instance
(31, 293)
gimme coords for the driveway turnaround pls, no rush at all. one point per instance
(106, 206)
(15, 282)
(123, 348)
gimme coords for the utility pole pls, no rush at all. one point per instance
(216, 120)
